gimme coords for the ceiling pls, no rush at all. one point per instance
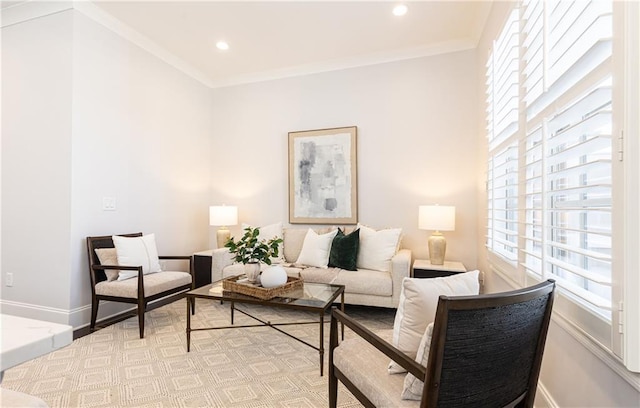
(270, 39)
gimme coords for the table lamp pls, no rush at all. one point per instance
(223, 216)
(437, 218)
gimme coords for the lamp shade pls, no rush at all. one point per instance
(223, 215)
(437, 217)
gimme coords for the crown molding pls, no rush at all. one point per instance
(27, 10)
(347, 63)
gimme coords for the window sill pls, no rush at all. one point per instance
(612, 361)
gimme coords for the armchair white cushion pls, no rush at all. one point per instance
(417, 308)
(137, 251)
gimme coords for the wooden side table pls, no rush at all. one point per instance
(422, 268)
(202, 267)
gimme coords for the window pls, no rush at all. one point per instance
(550, 176)
(502, 119)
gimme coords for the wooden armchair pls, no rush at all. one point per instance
(140, 290)
(486, 351)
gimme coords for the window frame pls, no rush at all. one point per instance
(587, 326)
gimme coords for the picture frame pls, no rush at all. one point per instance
(323, 182)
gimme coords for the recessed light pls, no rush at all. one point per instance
(222, 45)
(400, 10)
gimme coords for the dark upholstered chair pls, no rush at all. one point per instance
(140, 290)
(486, 351)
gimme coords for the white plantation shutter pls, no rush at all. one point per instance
(567, 232)
(564, 42)
(567, 67)
(534, 17)
(502, 84)
(503, 203)
(502, 120)
(533, 205)
(551, 176)
(579, 36)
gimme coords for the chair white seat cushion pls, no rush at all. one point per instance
(10, 398)
(154, 283)
(366, 368)
(365, 281)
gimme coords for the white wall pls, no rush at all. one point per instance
(88, 115)
(572, 375)
(416, 143)
(36, 164)
(141, 134)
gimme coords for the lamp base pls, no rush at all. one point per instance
(437, 248)
(223, 236)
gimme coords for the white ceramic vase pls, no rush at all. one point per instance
(273, 276)
(252, 270)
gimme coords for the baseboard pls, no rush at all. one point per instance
(30, 311)
(543, 398)
(77, 318)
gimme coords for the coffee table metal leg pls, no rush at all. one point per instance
(232, 309)
(321, 348)
(189, 300)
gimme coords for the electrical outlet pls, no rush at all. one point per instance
(9, 280)
(108, 203)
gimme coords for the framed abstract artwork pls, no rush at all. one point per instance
(323, 176)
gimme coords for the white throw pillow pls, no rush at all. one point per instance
(108, 256)
(413, 385)
(137, 251)
(417, 308)
(377, 248)
(316, 248)
(267, 233)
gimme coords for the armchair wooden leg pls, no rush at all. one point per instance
(94, 313)
(141, 307)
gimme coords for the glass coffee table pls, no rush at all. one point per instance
(311, 297)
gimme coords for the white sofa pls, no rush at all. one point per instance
(362, 287)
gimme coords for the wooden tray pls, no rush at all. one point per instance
(255, 290)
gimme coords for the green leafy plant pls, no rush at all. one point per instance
(249, 249)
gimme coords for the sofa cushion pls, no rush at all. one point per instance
(417, 308)
(366, 282)
(293, 240)
(137, 251)
(377, 248)
(319, 275)
(153, 284)
(344, 250)
(237, 269)
(316, 248)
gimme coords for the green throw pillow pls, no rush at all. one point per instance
(344, 250)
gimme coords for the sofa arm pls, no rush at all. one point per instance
(220, 259)
(400, 269)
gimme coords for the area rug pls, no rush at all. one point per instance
(242, 367)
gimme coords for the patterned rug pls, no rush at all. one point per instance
(246, 367)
